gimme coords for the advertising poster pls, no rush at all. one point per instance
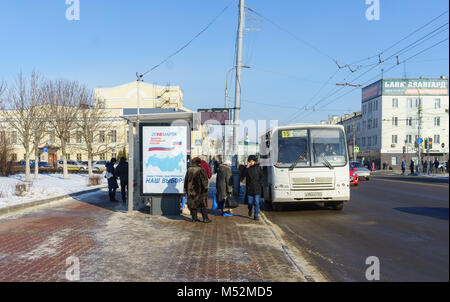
(164, 159)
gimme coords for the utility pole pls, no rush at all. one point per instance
(237, 106)
(419, 128)
(354, 140)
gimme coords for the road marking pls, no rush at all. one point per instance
(412, 182)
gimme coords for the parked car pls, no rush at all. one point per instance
(82, 165)
(443, 166)
(362, 171)
(71, 165)
(354, 178)
(22, 163)
(42, 164)
(99, 165)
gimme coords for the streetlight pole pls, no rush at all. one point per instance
(237, 98)
(226, 99)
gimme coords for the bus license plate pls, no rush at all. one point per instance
(313, 194)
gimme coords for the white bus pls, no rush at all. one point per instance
(305, 163)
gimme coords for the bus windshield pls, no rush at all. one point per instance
(326, 147)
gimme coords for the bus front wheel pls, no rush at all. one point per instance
(338, 206)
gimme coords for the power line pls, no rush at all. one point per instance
(190, 41)
(401, 40)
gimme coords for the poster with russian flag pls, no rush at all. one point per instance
(164, 159)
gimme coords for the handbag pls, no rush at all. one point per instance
(230, 202)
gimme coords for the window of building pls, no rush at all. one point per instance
(370, 107)
(394, 160)
(102, 156)
(114, 155)
(375, 123)
(369, 124)
(394, 121)
(369, 141)
(67, 156)
(79, 157)
(363, 141)
(437, 103)
(437, 121)
(409, 139)
(437, 139)
(101, 138)
(14, 137)
(364, 125)
(394, 139)
(113, 136)
(376, 105)
(394, 103)
(79, 137)
(409, 121)
(358, 126)
(412, 103)
(375, 140)
(14, 157)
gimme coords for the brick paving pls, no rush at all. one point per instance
(112, 245)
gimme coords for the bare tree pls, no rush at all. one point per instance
(2, 90)
(40, 125)
(23, 110)
(94, 123)
(63, 106)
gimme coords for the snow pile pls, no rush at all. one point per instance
(46, 186)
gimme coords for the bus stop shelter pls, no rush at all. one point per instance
(159, 155)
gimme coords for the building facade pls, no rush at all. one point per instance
(397, 116)
(117, 101)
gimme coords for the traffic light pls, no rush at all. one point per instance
(430, 143)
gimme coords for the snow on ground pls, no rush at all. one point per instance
(46, 186)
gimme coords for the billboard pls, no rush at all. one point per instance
(164, 159)
(415, 87)
(219, 116)
(371, 91)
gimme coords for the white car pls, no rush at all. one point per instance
(99, 165)
(362, 171)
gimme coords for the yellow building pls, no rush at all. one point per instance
(117, 101)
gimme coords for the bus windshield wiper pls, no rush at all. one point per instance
(296, 161)
(327, 163)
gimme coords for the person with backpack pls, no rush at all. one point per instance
(112, 179)
(254, 179)
(122, 173)
(196, 188)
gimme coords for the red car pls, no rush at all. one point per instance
(354, 178)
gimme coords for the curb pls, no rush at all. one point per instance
(287, 251)
(28, 205)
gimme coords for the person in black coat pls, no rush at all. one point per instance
(112, 179)
(122, 172)
(254, 181)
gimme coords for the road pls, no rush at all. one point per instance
(401, 220)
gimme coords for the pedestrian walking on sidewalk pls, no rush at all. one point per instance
(112, 179)
(196, 188)
(411, 167)
(122, 172)
(403, 167)
(224, 184)
(254, 181)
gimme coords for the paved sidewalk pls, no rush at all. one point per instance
(112, 245)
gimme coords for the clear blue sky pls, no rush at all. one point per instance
(114, 39)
